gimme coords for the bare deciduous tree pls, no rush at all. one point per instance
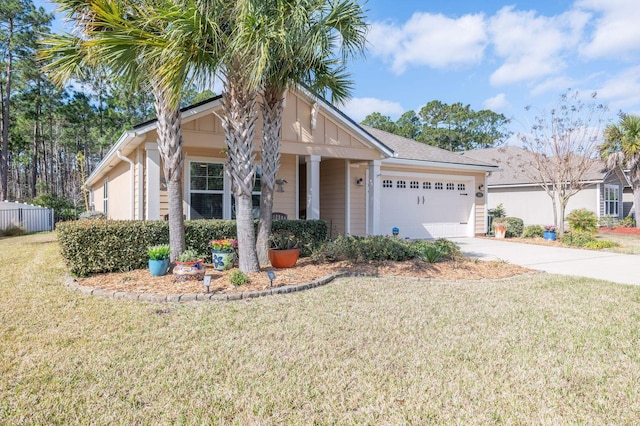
(563, 144)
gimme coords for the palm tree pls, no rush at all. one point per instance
(143, 42)
(621, 148)
(308, 43)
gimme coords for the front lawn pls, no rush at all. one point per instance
(535, 349)
(629, 244)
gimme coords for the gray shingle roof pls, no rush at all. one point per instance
(514, 163)
(411, 150)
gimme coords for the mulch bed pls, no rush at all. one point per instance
(305, 271)
(620, 231)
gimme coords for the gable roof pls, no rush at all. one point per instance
(515, 162)
(409, 149)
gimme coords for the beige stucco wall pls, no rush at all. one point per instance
(533, 205)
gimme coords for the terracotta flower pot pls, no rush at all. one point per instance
(284, 258)
(500, 230)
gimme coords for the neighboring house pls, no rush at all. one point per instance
(361, 180)
(523, 197)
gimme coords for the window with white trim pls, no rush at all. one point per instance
(387, 183)
(450, 186)
(206, 190)
(438, 185)
(426, 185)
(611, 200)
(401, 184)
(461, 187)
(414, 184)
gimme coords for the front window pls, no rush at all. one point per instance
(611, 200)
(255, 196)
(206, 186)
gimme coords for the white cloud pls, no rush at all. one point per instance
(359, 108)
(616, 31)
(497, 102)
(622, 91)
(533, 46)
(433, 40)
(554, 85)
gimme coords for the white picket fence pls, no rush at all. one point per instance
(31, 218)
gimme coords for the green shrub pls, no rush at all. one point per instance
(583, 220)
(379, 248)
(628, 222)
(238, 278)
(578, 238)
(601, 244)
(97, 246)
(515, 226)
(608, 221)
(533, 231)
(355, 249)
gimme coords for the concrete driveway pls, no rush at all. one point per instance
(619, 268)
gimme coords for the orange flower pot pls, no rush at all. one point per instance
(284, 258)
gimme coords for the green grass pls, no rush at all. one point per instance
(629, 244)
(541, 349)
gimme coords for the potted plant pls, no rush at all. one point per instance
(223, 253)
(285, 249)
(189, 266)
(499, 227)
(549, 232)
(158, 259)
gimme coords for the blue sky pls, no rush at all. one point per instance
(496, 54)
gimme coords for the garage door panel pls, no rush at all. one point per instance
(426, 208)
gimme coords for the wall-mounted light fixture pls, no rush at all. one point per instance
(280, 182)
(360, 182)
(480, 187)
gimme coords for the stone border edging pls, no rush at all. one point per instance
(210, 297)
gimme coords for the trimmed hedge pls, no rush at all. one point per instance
(98, 246)
(533, 231)
(379, 248)
(515, 226)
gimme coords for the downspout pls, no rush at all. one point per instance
(131, 183)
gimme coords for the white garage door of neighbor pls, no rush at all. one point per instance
(421, 207)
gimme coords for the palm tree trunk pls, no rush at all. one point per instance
(170, 148)
(238, 121)
(636, 204)
(272, 107)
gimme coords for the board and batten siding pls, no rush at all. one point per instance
(358, 200)
(333, 195)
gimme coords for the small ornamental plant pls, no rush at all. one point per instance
(550, 228)
(189, 255)
(225, 244)
(238, 278)
(159, 252)
(284, 240)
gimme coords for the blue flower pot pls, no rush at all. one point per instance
(549, 235)
(158, 268)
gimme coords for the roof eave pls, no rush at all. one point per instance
(439, 164)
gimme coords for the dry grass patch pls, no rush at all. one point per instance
(536, 349)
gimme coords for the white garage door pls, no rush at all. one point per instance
(427, 207)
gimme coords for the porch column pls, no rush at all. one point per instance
(313, 186)
(374, 187)
(152, 183)
(140, 184)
